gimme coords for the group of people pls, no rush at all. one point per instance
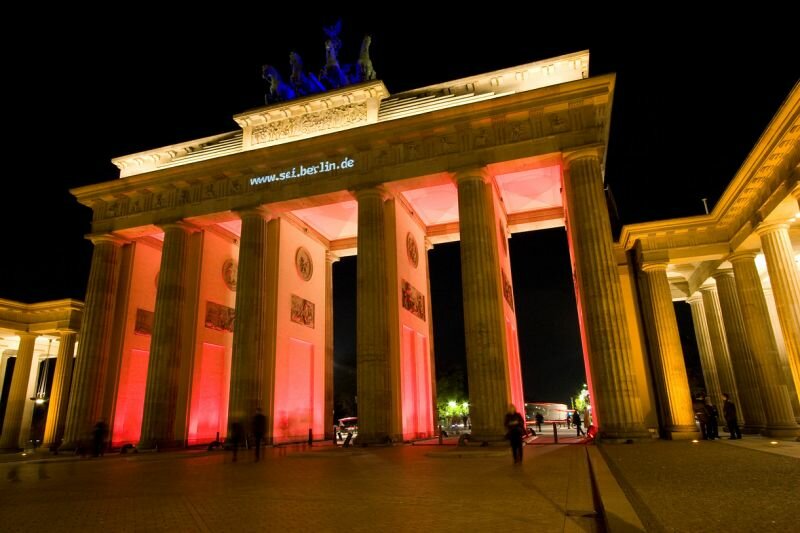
(707, 416)
(237, 434)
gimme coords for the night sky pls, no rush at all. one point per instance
(691, 100)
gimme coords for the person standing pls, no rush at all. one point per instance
(515, 429)
(236, 437)
(99, 438)
(569, 420)
(729, 412)
(576, 421)
(712, 423)
(259, 429)
(539, 420)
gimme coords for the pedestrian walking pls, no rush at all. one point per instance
(259, 430)
(576, 421)
(515, 430)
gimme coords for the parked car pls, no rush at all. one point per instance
(348, 424)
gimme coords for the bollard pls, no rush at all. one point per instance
(441, 437)
(310, 437)
(555, 433)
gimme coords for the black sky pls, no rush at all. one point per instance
(693, 95)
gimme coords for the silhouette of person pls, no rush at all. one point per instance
(712, 424)
(539, 420)
(236, 437)
(576, 421)
(569, 420)
(729, 412)
(98, 438)
(259, 429)
(515, 429)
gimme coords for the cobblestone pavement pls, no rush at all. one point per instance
(403, 488)
(708, 486)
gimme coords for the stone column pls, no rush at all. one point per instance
(484, 324)
(59, 393)
(250, 327)
(719, 343)
(774, 394)
(161, 393)
(330, 259)
(605, 328)
(703, 338)
(750, 408)
(372, 321)
(669, 368)
(18, 393)
(785, 280)
(432, 359)
(786, 371)
(91, 362)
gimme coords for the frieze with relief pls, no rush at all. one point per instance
(348, 115)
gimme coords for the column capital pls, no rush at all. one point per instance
(26, 334)
(654, 267)
(765, 229)
(594, 151)
(747, 255)
(471, 173)
(331, 257)
(66, 331)
(694, 298)
(259, 211)
(179, 224)
(428, 244)
(107, 237)
(371, 191)
(722, 273)
(708, 286)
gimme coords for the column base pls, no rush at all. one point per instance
(159, 445)
(377, 439)
(752, 430)
(681, 434)
(624, 434)
(782, 431)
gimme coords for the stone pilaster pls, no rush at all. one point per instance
(375, 397)
(484, 325)
(761, 340)
(785, 280)
(91, 362)
(617, 409)
(750, 408)
(163, 369)
(59, 393)
(666, 353)
(435, 408)
(710, 376)
(719, 343)
(330, 258)
(18, 393)
(251, 327)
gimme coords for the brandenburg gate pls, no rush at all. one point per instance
(210, 293)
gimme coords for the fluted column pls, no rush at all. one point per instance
(161, 393)
(59, 393)
(785, 280)
(666, 353)
(710, 376)
(616, 398)
(372, 321)
(18, 393)
(484, 327)
(751, 408)
(719, 344)
(330, 259)
(91, 362)
(250, 335)
(774, 394)
(786, 371)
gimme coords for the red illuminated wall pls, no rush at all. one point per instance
(299, 397)
(510, 318)
(129, 405)
(208, 407)
(415, 359)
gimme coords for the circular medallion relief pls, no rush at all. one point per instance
(230, 270)
(302, 261)
(412, 250)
